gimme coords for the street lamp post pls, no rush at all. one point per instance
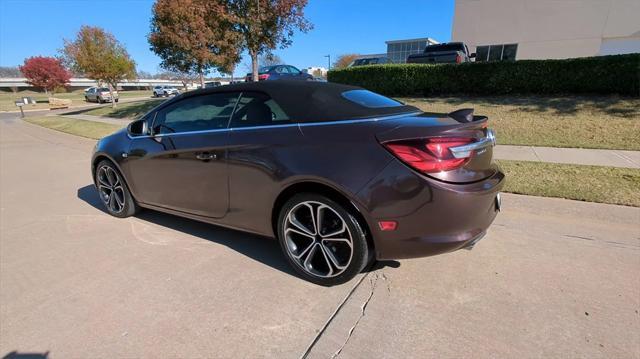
(328, 60)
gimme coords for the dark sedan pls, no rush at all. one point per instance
(279, 72)
(338, 174)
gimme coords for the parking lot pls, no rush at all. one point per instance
(553, 278)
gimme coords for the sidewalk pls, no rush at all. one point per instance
(578, 156)
(110, 120)
(79, 105)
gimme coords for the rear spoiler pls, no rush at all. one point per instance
(465, 115)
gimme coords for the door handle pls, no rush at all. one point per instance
(206, 156)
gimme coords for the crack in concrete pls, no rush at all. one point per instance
(363, 308)
(332, 316)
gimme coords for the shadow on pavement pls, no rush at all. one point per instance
(262, 249)
(131, 109)
(16, 355)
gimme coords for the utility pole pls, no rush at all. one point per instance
(328, 60)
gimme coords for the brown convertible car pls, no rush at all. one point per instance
(341, 176)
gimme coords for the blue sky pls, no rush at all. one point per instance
(37, 27)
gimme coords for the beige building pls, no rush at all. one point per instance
(547, 29)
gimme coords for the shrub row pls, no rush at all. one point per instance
(616, 74)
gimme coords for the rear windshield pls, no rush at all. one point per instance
(103, 89)
(445, 47)
(370, 99)
(266, 69)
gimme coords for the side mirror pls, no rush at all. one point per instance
(473, 55)
(138, 128)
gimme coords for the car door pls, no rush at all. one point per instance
(182, 165)
(261, 137)
(282, 73)
(296, 74)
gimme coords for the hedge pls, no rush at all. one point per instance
(616, 74)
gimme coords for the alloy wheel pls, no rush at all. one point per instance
(111, 189)
(318, 239)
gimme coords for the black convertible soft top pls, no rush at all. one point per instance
(310, 101)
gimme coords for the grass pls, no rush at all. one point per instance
(583, 183)
(7, 99)
(89, 129)
(607, 122)
(125, 110)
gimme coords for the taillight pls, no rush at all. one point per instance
(458, 59)
(430, 155)
(263, 77)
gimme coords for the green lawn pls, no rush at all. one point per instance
(584, 183)
(125, 110)
(7, 99)
(609, 122)
(89, 129)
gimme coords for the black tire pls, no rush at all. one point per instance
(99, 100)
(129, 205)
(360, 251)
(86, 99)
(117, 100)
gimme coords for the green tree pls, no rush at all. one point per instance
(267, 24)
(194, 36)
(99, 56)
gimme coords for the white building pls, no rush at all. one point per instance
(313, 69)
(547, 29)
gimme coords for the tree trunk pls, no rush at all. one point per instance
(201, 78)
(113, 99)
(254, 66)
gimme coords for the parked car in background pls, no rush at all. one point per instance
(211, 84)
(338, 174)
(370, 61)
(279, 72)
(99, 95)
(165, 91)
(445, 53)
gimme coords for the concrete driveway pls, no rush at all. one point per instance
(553, 278)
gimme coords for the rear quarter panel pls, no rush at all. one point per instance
(264, 162)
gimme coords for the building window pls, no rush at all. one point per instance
(509, 52)
(398, 52)
(505, 52)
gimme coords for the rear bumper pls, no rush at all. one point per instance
(432, 217)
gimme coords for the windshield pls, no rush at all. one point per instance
(453, 46)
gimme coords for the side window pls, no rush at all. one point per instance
(200, 113)
(281, 70)
(293, 70)
(258, 109)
